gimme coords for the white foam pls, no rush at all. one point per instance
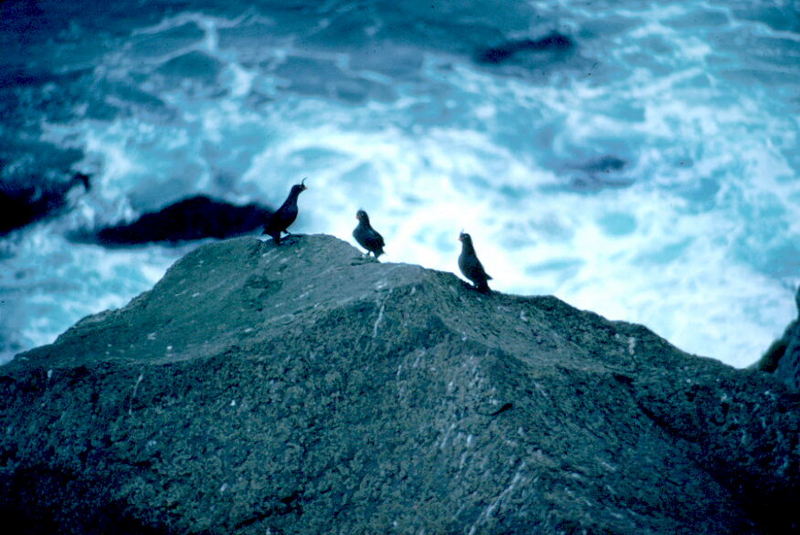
(60, 282)
(693, 249)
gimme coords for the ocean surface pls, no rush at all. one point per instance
(638, 159)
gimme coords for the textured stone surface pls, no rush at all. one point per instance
(299, 389)
(788, 361)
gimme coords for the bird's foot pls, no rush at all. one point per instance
(481, 289)
(359, 260)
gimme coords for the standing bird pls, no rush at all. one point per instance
(367, 236)
(280, 219)
(470, 266)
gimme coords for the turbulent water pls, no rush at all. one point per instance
(648, 169)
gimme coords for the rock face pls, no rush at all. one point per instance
(298, 389)
(193, 218)
(783, 356)
(23, 204)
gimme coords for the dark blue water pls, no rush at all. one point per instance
(639, 159)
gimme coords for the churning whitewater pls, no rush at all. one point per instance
(633, 158)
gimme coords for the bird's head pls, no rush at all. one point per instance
(298, 188)
(464, 237)
(361, 215)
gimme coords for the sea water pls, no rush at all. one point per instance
(648, 172)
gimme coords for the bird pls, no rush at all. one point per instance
(279, 221)
(367, 236)
(470, 266)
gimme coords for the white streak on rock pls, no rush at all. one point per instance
(133, 394)
(377, 321)
(490, 509)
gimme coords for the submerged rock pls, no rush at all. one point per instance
(600, 173)
(552, 42)
(21, 205)
(37, 179)
(192, 218)
(604, 164)
(297, 389)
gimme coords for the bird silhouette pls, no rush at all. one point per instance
(279, 221)
(367, 236)
(470, 266)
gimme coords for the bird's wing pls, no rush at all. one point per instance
(482, 270)
(268, 221)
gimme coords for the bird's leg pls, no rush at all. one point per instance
(358, 260)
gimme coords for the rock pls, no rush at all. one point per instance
(604, 164)
(596, 174)
(553, 42)
(783, 356)
(192, 218)
(298, 389)
(22, 205)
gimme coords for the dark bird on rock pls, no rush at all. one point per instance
(470, 266)
(284, 216)
(367, 236)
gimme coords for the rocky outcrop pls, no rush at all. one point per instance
(300, 389)
(193, 218)
(783, 356)
(23, 204)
